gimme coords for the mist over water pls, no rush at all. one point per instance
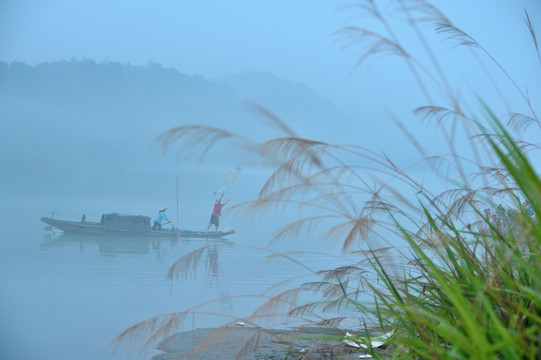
(68, 296)
(78, 138)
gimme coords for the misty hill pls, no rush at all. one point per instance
(308, 114)
(82, 116)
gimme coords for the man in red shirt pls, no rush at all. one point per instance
(216, 212)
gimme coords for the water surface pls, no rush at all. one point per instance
(66, 297)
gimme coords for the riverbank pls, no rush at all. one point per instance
(253, 343)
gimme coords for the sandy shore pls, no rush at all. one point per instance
(255, 343)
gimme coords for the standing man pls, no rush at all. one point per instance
(161, 217)
(216, 212)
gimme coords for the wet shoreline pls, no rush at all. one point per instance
(238, 342)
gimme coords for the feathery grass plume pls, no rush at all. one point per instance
(521, 122)
(532, 32)
(453, 272)
(463, 39)
(273, 119)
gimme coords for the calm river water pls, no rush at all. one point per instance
(65, 297)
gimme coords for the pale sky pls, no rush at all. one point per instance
(291, 39)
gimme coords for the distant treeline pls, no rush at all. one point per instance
(89, 78)
(85, 115)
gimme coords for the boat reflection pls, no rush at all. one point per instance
(194, 256)
(110, 244)
(106, 244)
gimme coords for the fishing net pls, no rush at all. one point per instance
(232, 175)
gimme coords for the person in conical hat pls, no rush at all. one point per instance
(159, 219)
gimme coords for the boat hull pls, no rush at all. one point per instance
(94, 228)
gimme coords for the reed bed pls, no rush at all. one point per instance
(452, 273)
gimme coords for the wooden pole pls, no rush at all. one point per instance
(178, 225)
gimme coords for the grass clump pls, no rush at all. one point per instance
(476, 293)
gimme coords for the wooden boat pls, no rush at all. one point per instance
(128, 225)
